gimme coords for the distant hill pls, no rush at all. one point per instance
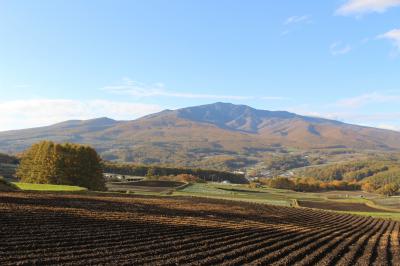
(206, 135)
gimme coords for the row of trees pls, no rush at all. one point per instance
(68, 164)
(8, 159)
(310, 184)
(144, 170)
(178, 178)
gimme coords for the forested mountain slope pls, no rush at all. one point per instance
(215, 131)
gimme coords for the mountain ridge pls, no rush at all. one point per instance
(198, 132)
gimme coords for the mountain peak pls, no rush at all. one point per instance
(231, 116)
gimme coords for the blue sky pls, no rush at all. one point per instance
(75, 59)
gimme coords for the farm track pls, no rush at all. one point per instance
(48, 229)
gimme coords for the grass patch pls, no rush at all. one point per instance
(281, 197)
(47, 187)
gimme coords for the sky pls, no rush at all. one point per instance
(71, 59)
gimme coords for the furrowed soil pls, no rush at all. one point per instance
(73, 229)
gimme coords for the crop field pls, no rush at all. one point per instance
(236, 192)
(356, 202)
(144, 186)
(72, 229)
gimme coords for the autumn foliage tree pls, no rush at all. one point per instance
(310, 184)
(389, 189)
(68, 164)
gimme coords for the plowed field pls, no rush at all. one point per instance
(39, 228)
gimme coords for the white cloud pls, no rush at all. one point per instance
(285, 32)
(390, 127)
(38, 112)
(358, 7)
(141, 90)
(22, 86)
(338, 48)
(385, 120)
(368, 98)
(138, 89)
(294, 22)
(297, 20)
(306, 111)
(394, 36)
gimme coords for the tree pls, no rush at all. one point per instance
(67, 164)
(151, 172)
(281, 182)
(8, 159)
(27, 165)
(389, 189)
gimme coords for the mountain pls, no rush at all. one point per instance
(204, 134)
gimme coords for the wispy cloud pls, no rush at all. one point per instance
(274, 98)
(22, 86)
(368, 98)
(338, 48)
(385, 120)
(390, 127)
(393, 36)
(138, 89)
(294, 22)
(359, 7)
(297, 20)
(39, 112)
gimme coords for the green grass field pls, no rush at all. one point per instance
(290, 198)
(234, 192)
(262, 195)
(47, 187)
(284, 197)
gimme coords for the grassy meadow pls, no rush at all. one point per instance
(354, 202)
(47, 187)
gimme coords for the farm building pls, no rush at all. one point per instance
(118, 177)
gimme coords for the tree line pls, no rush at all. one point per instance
(66, 164)
(145, 170)
(310, 184)
(8, 159)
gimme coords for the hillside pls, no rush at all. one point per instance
(219, 135)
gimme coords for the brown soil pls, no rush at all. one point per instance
(85, 229)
